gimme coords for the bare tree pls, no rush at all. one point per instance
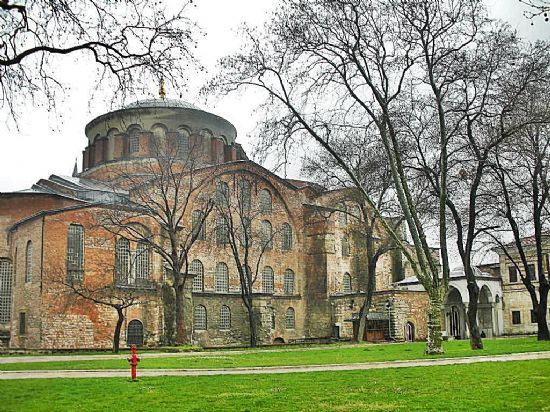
(349, 61)
(521, 170)
(369, 163)
(536, 8)
(240, 226)
(163, 192)
(128, 41)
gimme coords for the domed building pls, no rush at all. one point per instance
(308, 280)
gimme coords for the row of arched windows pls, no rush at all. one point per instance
(244, 196)
(354, 211)
(221, 278)
(200, 318)
(222, 234)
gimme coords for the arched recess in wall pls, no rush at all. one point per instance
(207, 137)
(134, 335)
(182, 141)
(158, 141)
(111, 136)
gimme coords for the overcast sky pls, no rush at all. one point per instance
(48, 143)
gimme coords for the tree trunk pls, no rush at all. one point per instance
(473, 326)
(434, 345)
(367, 302)
(181, 338)
(543, 332)
(252, 325)
(118, 328)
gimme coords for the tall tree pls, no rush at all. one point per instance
(163, 193)
(127, 41)
(521, 170)
(240, 226)
(348, 62)
(369, 164)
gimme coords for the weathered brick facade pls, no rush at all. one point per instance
(322, 249)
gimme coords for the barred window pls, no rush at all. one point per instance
(75, 252)
(28, 262)
(343, 214)
(289, 318)
(267, 280)
(346, 249)
(222, 194)
(225, 318)
(6, 275)
(221, 283)
(222, 231)
(244, 195)
(246, 232)
(133, 140)
(198, 224)
(122, 260)
(200, 318)
(289, 282)
(22, 323)
(245, 285)
(142, 260)
(346, 283)
(266, 234)
(287, 236)
(198, 280)
(266, 204)
(183, 142)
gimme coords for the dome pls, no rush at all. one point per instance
(152, 103)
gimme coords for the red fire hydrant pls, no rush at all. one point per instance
(133, 362)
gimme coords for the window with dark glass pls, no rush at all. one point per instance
(75, 252)
(532, 272)
(516, 317)
(198, 224)
(512, 274)
(28, 262)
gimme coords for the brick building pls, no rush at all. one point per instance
(310, 280)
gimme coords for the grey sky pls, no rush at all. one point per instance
(48, 143)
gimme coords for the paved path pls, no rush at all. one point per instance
(112, 373)
(216, 353)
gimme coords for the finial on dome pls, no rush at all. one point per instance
(162, 92)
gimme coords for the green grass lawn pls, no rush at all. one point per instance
(334, 355)
(509, 386)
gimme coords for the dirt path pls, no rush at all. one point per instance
(110, 373)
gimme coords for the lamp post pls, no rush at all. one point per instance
(388, 308)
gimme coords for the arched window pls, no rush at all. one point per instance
(122, 259)
(200, 320)
(134, 335)
(28, 262)
(222, 231)
(6, 274)
(225, 318)
(266, 234)
(198, 224)
(287, 236)
(221, 284)
(197, 269)
(346, 283)
(246, 231)
(266, 205)
(343, 214)
(222, 194)
(75, 252)
(142, 260)
(267, 280)
(133, 139)
(289, 318)
(244, 195)
(289, 282)
(269, 318)
(182, 142)
(346, 249)
(247, 280)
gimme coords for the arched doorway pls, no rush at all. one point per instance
(454, 315)
(409, 332)
(485, 312)
(134, 335)
(278, 341)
